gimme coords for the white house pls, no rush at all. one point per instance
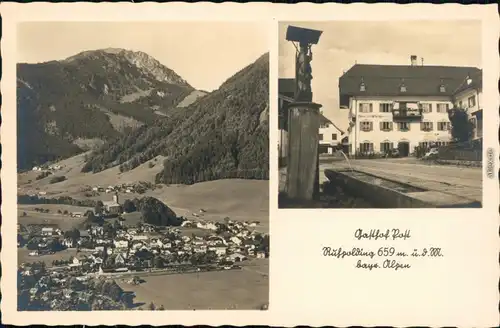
(121, 243)
(48, 231)
(330, 136)
(469, 96)
(236, 240)
(399, 106)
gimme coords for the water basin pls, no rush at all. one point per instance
(382, 182)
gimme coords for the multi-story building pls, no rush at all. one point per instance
(401, 106)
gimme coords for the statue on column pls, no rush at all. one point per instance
(304, 72)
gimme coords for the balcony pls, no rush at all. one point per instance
(406, 111)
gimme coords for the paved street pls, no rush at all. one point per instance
(452, 180)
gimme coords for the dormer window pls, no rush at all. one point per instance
(362, 86)
(442, 87)
(469, 80)
(402, 87)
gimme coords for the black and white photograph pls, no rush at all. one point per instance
(382, 114)
(143, 166)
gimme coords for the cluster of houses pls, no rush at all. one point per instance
(111, 250)
(51, 167)
(53, 290)
(147, 247)
(124, 187)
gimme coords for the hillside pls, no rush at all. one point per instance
(223, 135)
(94, 95)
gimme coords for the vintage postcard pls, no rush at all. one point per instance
(404, 129)
(152, 153)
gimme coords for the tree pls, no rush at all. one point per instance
(128, 299)
(158, 262)
(99, 208)
(462, 128)
(116, 224)
(73, 234)
(129, 206)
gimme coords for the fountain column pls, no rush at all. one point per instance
(303, 122)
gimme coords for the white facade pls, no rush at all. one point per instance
(373, 123)
(471, 100)
(329, 136)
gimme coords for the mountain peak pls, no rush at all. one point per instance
(144, 62)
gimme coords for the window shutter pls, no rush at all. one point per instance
(430, 108)
(371, 108)
(380, 108)
(361, 108)
(381, 126)
(391, 126)
(371, 126)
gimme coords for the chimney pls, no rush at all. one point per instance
(115, 197)
(422, 59)
(413, 59)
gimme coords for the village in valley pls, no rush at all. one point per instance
(76, 241)
(136, 189)
(112, 244)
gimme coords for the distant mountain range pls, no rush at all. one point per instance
(131, 108)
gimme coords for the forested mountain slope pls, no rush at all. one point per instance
(224, 134)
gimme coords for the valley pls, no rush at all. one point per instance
(127, 170)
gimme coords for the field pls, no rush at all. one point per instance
(64, 222)
(237, 199)
(24, 257)
(244, 289)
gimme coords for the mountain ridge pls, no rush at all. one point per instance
(224, 135)
(74, 98)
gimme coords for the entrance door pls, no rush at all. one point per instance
(323, 149)
(404, 148)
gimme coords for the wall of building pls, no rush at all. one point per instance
(330, 136)
(413, 136)
(462, 101)
(463, 98)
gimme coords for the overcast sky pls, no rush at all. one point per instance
(203, 53)
(451, 43)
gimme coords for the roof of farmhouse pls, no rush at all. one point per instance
(476, 82)
(386, 80)
(110, 203)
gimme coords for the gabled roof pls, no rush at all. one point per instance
(475, 83)
(385, 80)
(110, 203)
(334, 125)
